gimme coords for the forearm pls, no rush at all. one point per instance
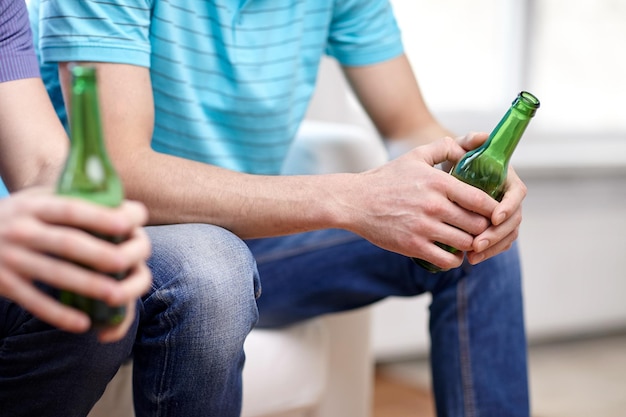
(390, 94)
(179, 190)
(186, 191)
(33, 143)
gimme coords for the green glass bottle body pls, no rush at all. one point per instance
(486, 166)
(88, 174)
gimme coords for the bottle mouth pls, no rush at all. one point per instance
(529, 99)
(82, 70)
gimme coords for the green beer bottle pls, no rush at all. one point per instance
(486, 166)
(89, 174)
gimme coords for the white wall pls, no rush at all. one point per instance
(573, 243)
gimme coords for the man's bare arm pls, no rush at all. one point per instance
(33, 143)
(372, 204)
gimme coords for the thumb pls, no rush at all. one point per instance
(442, 151)
(472, 140)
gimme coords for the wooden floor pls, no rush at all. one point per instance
(585, 377)
(393, 398)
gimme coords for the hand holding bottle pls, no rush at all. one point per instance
(506, 217)
(487, 166)
(90, 175)
(35, 225)
(406, 205)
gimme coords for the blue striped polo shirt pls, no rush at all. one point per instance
(231, 79)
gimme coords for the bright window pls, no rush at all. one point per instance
(471, 59)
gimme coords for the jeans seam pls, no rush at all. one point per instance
(464, 349)
(161, 409)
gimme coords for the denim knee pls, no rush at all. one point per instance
(194, 321)
(206, 277)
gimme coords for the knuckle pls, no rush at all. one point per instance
(5, 283)
(523, 189)
(66, 243)
(17, 230)
(10, 257)
(434, 207)
(452, 263)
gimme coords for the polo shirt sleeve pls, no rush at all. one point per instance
(363, 32)
(115, 31)
(17, 56)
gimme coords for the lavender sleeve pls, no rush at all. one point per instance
(17, 56)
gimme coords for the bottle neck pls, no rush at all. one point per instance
(504, 138)
(88, 157)
(85, 120)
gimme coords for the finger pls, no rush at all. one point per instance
(135, 211)
(58, 273)
(455, 202)
(495, 246)
(132, 287)
(495, 234)
(115, 333)
(451, 236)
(139, 277)
(45, 307)
(97, 253)
(136, 248)
(471, 198)
(85, 215)
(463, 220)
(467, 196)
(76, 245)
(511, 201)
(443, 150)
(501, 246)
(441, 257)
(472, 140)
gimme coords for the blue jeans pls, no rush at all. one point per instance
(188, 350)
(478, 342)
(186, 344)
(47, 372)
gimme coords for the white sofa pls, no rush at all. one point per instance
(319, 368)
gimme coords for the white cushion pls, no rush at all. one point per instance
(324, 147)
(285, 370)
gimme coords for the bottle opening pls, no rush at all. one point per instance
(80, 70)
(529, 99)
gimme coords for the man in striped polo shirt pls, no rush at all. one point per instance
(200, 103)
